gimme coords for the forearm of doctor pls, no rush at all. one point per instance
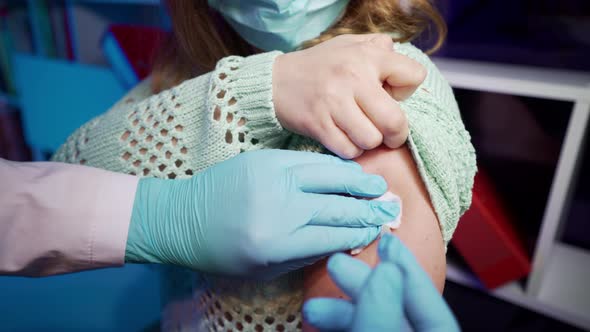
(57, 218)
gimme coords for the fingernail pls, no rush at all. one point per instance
(391, 209)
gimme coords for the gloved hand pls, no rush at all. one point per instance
(382, 298)
(261, 213)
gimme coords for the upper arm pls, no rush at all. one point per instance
(442, 159)
(419, 229)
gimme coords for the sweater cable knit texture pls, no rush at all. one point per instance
(205, 120)
(184, 130)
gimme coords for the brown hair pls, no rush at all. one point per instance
(200, 36)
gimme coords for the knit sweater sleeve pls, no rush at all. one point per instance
(440, 144)
(183, 130)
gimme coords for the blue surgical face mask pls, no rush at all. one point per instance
(280, 24)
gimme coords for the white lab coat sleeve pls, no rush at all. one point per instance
(57, 218)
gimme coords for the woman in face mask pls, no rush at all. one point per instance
(329, 76)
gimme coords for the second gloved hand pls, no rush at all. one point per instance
(260, 213)
(395, 296)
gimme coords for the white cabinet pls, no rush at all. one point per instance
(558, 283)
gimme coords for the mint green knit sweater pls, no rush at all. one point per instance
(182, 131)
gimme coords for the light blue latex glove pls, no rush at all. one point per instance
(398, 289)
(258, 214)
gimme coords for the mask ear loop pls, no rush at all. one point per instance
(389, 226)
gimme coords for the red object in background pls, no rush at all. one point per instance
(138, 44)
(487, 239)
